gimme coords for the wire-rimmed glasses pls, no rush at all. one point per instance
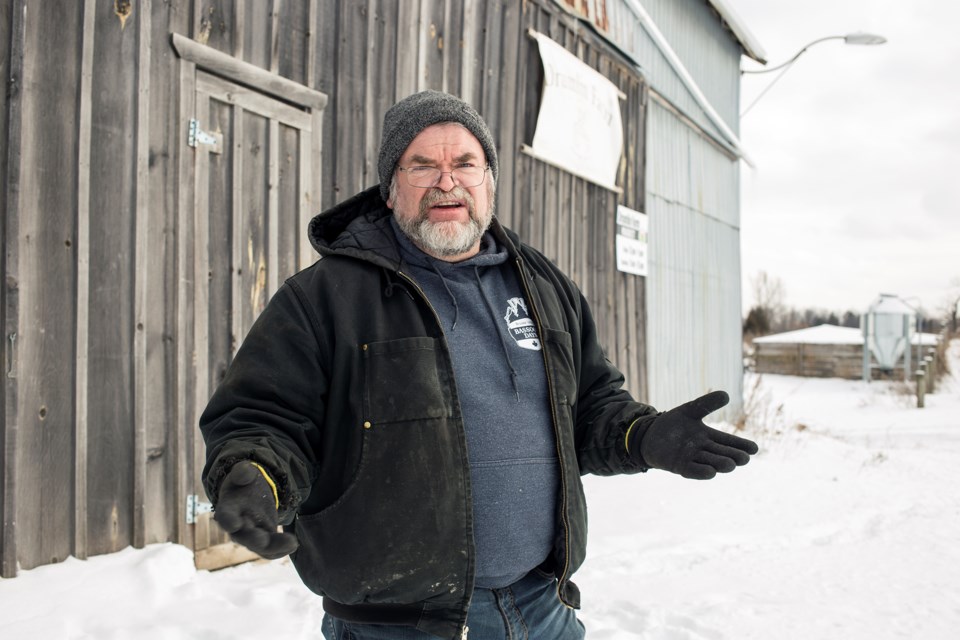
(424, 177)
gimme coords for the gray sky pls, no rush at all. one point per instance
(856, 189)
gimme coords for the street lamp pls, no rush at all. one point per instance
(858, 37)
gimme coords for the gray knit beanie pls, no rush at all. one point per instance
(406, 119)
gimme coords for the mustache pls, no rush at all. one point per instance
(435, 196)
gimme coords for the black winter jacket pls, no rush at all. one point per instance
(343, 390)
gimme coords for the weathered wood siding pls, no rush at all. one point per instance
(817, 361)
(105, 363)
(812, 360)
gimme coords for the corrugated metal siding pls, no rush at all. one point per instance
(693, 290)
(709, 52)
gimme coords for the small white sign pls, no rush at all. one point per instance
(631, 241)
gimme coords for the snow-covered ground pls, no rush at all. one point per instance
(846, 526)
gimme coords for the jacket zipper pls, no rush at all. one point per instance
(553, 415)
(556, 433)
(436, 316)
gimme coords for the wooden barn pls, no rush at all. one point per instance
(161, 159)
(825, 351)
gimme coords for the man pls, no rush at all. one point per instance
(418, 406)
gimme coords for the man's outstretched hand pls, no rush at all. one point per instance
(247, 510)
(678, 441)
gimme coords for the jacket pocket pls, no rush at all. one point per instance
(399, 534)
(405, 380)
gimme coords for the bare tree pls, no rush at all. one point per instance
(952, 305)
(767, 307)
(768, 293)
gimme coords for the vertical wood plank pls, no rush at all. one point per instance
(422, 45)
(240, 266)
(292, 40)
(276, 7)
(5, 351)
(566, 213)
(452, 46)
(489, 76)
(351, 91)
(585, 248)
(273, 208)
(555, 220)
(141, 262)
(621, 317)
(470, 67)
(254, 224)
(162, 506)
(377, 58)
(289, 200)
(113, 181)
(432, 42)
(513, 29)
(408, 47)
(240, 49)
(10, 301)
(201, 300)
(197, 22)
(219, 178)
(310, 64)
(327, 29)
(314, 180)
(257, 30)
(46, 340)
(186, 432)
(83, 280)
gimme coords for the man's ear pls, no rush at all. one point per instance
(389, 203)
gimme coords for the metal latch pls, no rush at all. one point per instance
(196, 506)
(197, 136)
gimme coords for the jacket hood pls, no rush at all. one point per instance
(360, 227)
(357, 227)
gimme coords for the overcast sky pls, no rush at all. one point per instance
(856, 189)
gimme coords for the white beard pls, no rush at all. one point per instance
(449, 238)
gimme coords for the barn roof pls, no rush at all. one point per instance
(820, 334)
(733, 22)
(829, 334)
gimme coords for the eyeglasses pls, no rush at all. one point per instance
(466, 176)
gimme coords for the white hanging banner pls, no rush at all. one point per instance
(631, 241)
(579, 127)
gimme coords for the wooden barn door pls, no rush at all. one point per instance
(253, 168)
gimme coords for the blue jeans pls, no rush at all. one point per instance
(529, 609)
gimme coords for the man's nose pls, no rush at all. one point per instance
(446, 178)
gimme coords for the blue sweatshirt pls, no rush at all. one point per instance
(501, 381)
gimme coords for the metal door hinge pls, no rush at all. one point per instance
(197, 136)
(196, 506)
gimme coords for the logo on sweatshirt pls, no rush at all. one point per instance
(520, 325)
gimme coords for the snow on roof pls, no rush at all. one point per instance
(831, 334)
(820, 334)
(751, 46)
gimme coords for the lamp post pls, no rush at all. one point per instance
(858, 37)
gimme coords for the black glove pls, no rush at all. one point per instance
(679, 442)
(247, 510)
